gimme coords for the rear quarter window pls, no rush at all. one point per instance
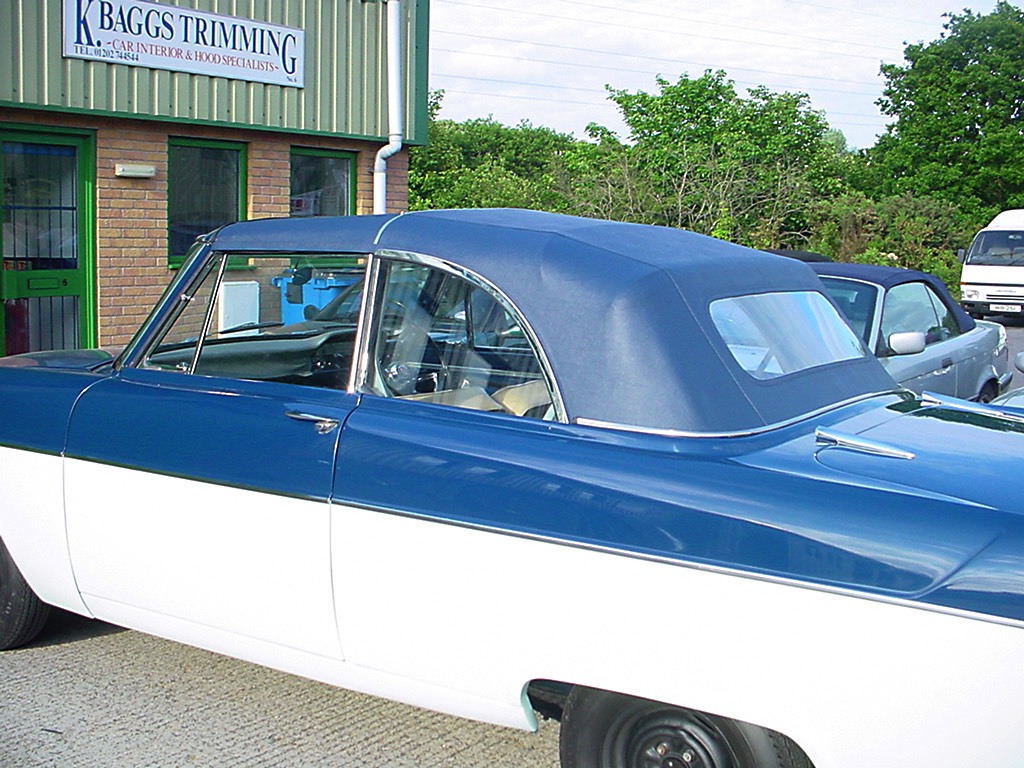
(776, 334)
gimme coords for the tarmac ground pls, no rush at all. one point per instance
(90, 695)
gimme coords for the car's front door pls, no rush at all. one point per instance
(914, 307)
(460, 397)
(198, 481)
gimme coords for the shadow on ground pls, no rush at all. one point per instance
(64, 627)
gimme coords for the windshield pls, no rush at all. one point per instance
(856, 300)
(997, 248)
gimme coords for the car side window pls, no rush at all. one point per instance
(857, 302)
(259, 318)
(948, 326)
(914, 307)
(442, 339)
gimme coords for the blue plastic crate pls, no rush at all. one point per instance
(318, 291)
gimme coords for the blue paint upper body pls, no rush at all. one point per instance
(944, 528)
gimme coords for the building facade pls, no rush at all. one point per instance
(129, 127)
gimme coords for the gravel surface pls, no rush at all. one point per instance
(89, 695)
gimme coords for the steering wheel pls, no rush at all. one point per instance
(403, 377)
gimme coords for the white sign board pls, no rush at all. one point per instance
(142, 33)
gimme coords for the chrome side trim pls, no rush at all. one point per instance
(583, 421)
(982, 409)
(703, 567)
(831, 439)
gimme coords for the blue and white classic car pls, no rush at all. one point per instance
(639, 479)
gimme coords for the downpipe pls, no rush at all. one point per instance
(396, 104)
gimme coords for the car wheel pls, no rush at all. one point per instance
(22, 614)
(988, 393)
(609, 730)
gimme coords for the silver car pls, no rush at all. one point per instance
(921, 335)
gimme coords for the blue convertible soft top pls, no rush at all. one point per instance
(620, 309)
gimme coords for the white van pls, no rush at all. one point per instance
(992, 280)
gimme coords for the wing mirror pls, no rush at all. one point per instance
(961, 255)
(907, 343)
(1018, 362)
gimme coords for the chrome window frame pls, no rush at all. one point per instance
(358, 382)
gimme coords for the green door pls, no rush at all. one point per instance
(46, 283)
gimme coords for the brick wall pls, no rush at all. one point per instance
(131, 214)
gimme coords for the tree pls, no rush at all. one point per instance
(898, 230)
(481, 163)
(700, 156)
(958, 105)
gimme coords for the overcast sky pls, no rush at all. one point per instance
(548, 61)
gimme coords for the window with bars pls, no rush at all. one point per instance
(40, 206)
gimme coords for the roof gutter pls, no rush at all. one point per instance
(396, 106)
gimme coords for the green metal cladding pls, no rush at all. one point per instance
(345, 76)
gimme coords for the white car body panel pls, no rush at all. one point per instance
(397, 578)
(32, 519)
(794, 653)
(248, 563)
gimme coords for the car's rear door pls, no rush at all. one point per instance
(198, 490)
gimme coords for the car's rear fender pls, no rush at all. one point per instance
(806, 662)
(992, 356)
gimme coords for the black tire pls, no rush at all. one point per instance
(989, 392)
(22, 613)
(610, 730)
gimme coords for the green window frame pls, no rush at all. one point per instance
(310, 190)
(200, 189)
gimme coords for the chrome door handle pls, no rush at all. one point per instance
(323, 424)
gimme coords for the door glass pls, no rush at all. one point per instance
(908, 307)
(442, 339)
(947, 327)
(39, 209)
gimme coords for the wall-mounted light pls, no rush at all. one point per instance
(134, 170)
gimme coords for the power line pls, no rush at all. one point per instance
(533, 84)
(601, 103)
(603, 67)
(679, 34)
(844, 9)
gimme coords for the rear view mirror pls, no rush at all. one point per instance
(907, 343)
(961, 255)
(1018, 362)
